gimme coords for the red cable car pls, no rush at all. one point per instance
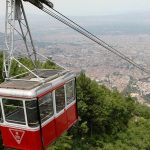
(35, 114)
(37, 106)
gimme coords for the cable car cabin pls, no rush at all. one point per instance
(35, 114)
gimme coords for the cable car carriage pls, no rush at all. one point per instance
(37, 106)
(33, 114)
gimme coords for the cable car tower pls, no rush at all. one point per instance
(38, 106)
(16, 21)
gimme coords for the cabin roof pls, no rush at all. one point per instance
(30, 87)
(20, 84)
(29, 82)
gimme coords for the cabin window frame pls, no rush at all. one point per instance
(53, 113)
(2, 112)
(4, 115)
(48, 118)
(73, 99)
(37, 124)
(57, 113)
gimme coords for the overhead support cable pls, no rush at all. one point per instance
(60, 17)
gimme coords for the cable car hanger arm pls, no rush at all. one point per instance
(39, 3)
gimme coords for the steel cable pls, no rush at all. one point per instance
(92, 37)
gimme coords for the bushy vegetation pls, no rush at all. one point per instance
(18, 69)
(108, 119)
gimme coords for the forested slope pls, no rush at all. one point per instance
(108, 120)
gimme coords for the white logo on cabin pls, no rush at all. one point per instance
(17, 135)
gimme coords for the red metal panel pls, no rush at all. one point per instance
(72, 115)
(61, 123)
(30, 140)
(49, 133)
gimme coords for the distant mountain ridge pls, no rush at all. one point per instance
(131, 23)
(136, 23)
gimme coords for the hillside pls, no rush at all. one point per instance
(76, 53)
(108, 120)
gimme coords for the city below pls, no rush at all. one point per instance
(76, 53)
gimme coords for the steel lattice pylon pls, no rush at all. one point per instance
(16, 24)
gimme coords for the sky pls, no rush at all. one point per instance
(91, 7)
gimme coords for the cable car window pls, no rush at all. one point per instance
(1, 117)
(70, 92)
(60, 99)
(31, 109)
(46, 107)
(14, 111)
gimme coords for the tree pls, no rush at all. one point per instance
(102, 111)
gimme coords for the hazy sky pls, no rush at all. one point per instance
(92, 7)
